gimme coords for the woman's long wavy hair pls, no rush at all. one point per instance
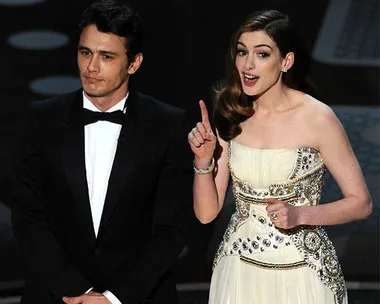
(232, 106)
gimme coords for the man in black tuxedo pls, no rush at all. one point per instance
(105, 183)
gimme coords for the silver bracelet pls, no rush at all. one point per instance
(207, 170)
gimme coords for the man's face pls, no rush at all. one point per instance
(103, 64)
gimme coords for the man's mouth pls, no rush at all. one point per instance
(92, 79)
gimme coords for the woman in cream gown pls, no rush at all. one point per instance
(275, 143)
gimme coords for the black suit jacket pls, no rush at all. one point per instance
(148, 202)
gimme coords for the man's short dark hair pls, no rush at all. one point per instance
(117, 17)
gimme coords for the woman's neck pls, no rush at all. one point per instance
(276, 99)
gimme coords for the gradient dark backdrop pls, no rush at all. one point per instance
(184, 53)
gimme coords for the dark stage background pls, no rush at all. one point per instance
(184, 52)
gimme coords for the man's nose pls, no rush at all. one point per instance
(93, 65)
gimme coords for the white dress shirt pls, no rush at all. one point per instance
(100, 143)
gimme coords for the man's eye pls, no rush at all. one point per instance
(85, 53)
(107, 57)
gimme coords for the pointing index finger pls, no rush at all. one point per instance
(204, 112)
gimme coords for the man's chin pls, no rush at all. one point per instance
(93, 93)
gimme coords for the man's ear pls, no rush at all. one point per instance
(135, 64)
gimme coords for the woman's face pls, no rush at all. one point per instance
(259, 62)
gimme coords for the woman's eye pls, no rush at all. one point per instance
(263, 54)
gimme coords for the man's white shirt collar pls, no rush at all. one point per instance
(87, 104)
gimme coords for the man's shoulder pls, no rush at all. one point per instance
(55, 103)
(158, 109)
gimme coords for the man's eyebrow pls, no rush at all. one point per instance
(108, 52)
(84, 48)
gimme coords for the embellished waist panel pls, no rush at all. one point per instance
(299, 191)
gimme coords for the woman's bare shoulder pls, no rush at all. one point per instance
(317, 112)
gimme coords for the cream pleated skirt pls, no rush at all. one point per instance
(236, 282)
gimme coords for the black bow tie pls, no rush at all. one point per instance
(115, 117)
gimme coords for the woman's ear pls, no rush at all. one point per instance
(288, 62)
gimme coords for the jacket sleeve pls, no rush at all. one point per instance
(173, 209)
(45, 260)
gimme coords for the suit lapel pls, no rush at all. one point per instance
(127, 151)
(74, 159)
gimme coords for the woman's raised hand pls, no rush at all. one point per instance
(201, 138)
